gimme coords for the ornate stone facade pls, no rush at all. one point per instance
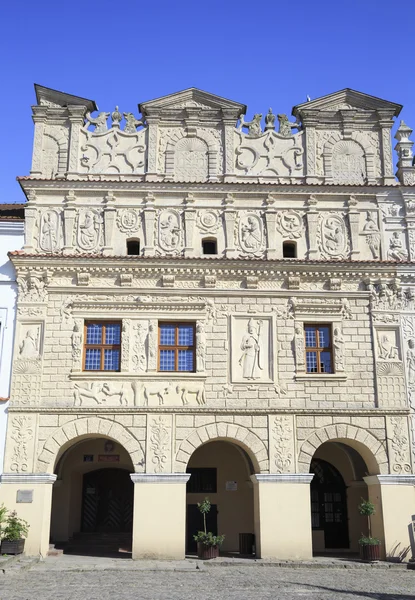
(183, 174)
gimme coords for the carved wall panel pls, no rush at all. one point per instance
(128, 220)
(19, 451)
(349, 163)
(332, 236)
(399, 448)
(251, 349)
(191, 160)
(170, 232)
(103, 393)
(50, 231)
(140, 348)
(250, 235)
(290, 224)
(113, 151)
(281, 444)
(89, 230)
(159, 443)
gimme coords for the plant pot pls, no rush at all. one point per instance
(207, 552)
(12, 547)
(369, 552)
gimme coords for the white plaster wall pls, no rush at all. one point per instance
(11, 238)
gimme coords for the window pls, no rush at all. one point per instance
(102, 346)
(209, 246)
(289, 250)
(318, 350)
(133, 247)
(202, 481)
(176, 347)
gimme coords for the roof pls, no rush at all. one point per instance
(351, 99)
(204, 99)
(62, 98)
(12, 212)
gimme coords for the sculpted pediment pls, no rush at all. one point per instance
(191, 98)
(347, 99)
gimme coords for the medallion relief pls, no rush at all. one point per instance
(332, 236)
(170, 233)
(290, 224)
(250, 234)
(128, 220)
(89, 230)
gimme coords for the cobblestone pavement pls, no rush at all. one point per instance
(47, 582)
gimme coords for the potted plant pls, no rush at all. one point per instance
(207, 544)
(13, 534)
(369, 546)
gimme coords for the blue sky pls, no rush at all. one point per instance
(259, 53)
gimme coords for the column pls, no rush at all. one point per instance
(109, 221)
(189, 225)
(354, 217)
(394, 499)
(39, 119)
(76, 118)
(282, 510)
(159, 522)
(270, 220)
(69, 215)
(152, 141)
(312, 224)
(30, 495)
(229, 217)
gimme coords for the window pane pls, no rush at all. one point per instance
(94, 333)
(185, 335)
(111, 360)
(166, 360)
(325, 362)
(167, 333)
(324, 337)
(113, 333)
(92, 359)
(310, 337)
(185, 360)
(311, 362)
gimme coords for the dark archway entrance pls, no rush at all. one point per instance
(107, 501)
(329, 504)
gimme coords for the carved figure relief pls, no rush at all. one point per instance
(251, 360)
(332, 238)
(371, 230)
(349, 164)
(50, 238)
(290, 224)
(390, 296)
(110, 394)
(251, 234)
(191, 160)
(100, 121)
(299, 344)
(410, 362)
(187, 389)
(29, 346)
(338, 345)
(90, 229)
(200, 346)
(128, 220)
(285, 126)
(254, 126)
(169, 231)
(158, 389)
(21, 433)
(396, 250)
(32, 287)
(208, 221)
(388, 346)
(77, 344)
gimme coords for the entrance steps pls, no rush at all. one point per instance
(98, 544)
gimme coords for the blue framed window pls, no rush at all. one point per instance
(176, 347)
(318, 349)
(102, 346)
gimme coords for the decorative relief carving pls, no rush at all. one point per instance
(283, 443)
(396, 250)
(371, 230)
(125, 344)
(159, 445)
(388, 345)
(200, 347)
(77, 345)
(189, 390)
(251, 234)
(140, 347)
(290, 224)
(29, 347)
(32, 287)
(110, 394)
(170, 233)
(349, 165)
(152, 341)
(299, 345)
(128, 220)
(251, 352)
(332, 236)
(399, 444)
(338, 345)
(191, 160)
(390, 296)
(208, 221)
(22, 428)
(89, 235)
(50, 238)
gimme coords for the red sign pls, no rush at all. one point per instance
(108, 458)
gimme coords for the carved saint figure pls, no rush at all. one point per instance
(89, 230)
(100, 121)
(396, 251)
(200, 347)
(372, 234)
(48, 239)
(251, 234)
(338, 343)
(169, 232)
(254, 126)
(410, 361)
(28, 347)
(387, 350)
(285, 126)
(250, 360)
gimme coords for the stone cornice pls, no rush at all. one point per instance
(160, 477)
(303, 478)
(186, 410)
(27, 478)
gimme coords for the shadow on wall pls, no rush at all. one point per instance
(360, 594)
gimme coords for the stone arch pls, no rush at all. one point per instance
(357, 138)
(51, 165)
(369, 447)
(212, 150)
(63, 437)
(226, 432)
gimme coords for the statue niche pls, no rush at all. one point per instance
(191, 160)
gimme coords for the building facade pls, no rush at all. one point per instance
(210, 306)
(11, 238)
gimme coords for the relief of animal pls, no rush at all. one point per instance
(158, 389)
(184, 389)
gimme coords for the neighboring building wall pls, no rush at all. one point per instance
(11, 238)
(183, 174)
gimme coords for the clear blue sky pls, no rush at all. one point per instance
(259, 53)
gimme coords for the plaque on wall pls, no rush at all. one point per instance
(108, 458)
(24, 496)
(231, 486)
(88, 458)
